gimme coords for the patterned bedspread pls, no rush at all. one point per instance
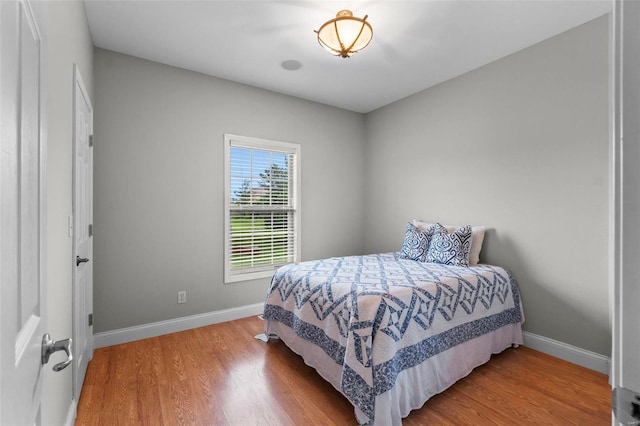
(377, 315)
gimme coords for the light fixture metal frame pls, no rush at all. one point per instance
(345, 51)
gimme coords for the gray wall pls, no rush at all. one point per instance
(68, 42)
(521, 146)
(159, 163)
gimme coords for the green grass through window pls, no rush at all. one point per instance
(255, 243)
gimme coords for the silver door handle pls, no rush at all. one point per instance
(50, 346)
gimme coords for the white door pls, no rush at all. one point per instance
(22, 214)
(625, 375)
(82, 252)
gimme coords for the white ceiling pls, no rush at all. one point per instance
(416, 44)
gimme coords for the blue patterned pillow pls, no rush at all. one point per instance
(450, 249)
(416, 243)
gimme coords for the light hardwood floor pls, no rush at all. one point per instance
(221, 375)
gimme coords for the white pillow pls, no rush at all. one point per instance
(477, 238)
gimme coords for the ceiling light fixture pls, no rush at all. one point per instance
(345, 34)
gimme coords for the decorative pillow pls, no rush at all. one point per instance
(477, 238)
(416, 243)
(450, 248)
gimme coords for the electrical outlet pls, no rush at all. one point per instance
(182, 296)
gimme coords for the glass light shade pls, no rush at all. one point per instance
(345, 35)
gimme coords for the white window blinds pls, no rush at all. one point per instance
(261, 207)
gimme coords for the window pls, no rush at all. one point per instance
(261, 206)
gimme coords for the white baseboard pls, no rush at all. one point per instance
(129, 334)
(575, 355)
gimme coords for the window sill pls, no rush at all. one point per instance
(230, 278)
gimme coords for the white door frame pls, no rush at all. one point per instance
(82, 292)
(625, 200)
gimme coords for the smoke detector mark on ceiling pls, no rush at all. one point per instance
(291, 65)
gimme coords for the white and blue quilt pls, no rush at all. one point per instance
(378, 315)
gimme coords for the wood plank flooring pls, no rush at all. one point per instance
(221, 375)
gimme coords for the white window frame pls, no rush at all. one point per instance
(237, 141)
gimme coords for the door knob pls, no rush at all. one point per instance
(80, 260)
(50, 346)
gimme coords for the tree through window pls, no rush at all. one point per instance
(261, 207)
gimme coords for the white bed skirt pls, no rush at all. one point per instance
(415, 385)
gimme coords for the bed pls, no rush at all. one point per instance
(389, 332)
